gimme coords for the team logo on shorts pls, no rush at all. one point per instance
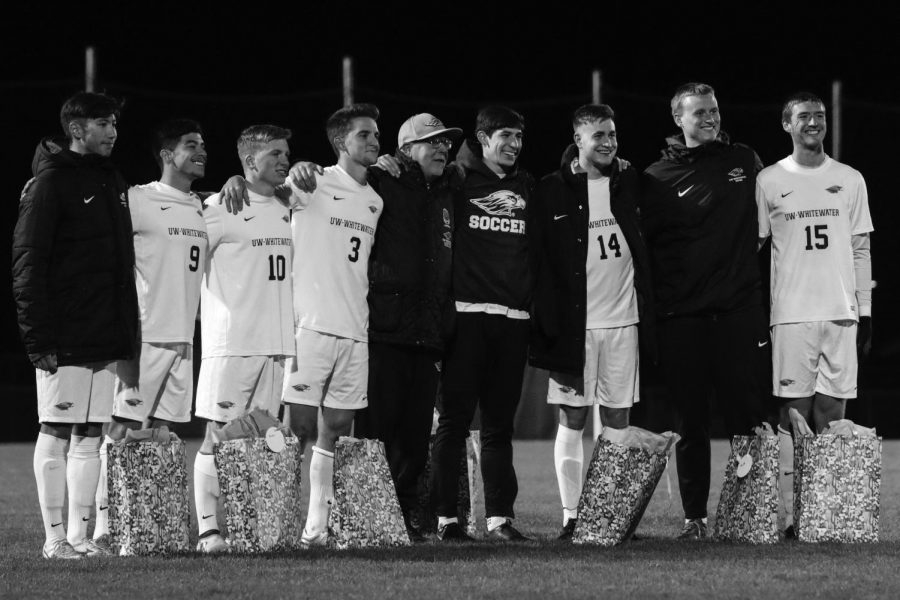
(501, 203)
(786, 382)
(225, 404)
(301, 387)
(133, 401)
(834, 189)
(64, 405)
(736, 175)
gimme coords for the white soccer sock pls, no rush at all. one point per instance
(50, 475)
(102, 498)
(206, 492)
(321, 490)
(786, 474)
(82, 475)
(568, 457)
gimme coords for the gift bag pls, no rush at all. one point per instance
(469, 479)
(149, 506)
(365, 512)
(837, 482)
(259, 478)
(621, 477)
(748, 504)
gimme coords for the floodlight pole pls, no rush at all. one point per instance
(596, 82)
(836, 110)
(348, 81)
(90, 69)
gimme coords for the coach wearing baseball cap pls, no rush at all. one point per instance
(410, 309)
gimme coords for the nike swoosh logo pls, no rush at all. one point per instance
(205, 517)
(248, 218)
(55, 524)
(558, 217)
(685, 191)
(102, 507)
(787, 194)
(336, 198)
(164, 207)
(761, 344)
(85, 519)
(88, 200)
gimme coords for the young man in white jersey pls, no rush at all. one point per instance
(593, 276)
(246, 319)
(333, 231)
(73, 282)
(817, 212)
(170, 253)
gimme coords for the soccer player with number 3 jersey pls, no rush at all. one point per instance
(333, 231)
(246, 319)
(817, 212)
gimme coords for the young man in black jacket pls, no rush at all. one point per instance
(492, 285)
(410, 308)
(592, 283)
(73, 282)
(698, 214)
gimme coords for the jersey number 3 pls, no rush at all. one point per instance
(355, 243)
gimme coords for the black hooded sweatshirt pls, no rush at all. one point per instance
(491, 261)
(698, 213)
(73, 260)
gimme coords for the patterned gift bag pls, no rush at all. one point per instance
(365, 512)
(261, 492)
(620, 481)
(149, 506)
(837, 481)
(748, 504)
(469, 479)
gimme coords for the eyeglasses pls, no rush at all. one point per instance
(437, 141)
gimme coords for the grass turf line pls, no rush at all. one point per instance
(655, 567)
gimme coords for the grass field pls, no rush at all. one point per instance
(657, 566)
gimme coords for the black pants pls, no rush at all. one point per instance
(403, 385)
(729, 355)
(483, 367)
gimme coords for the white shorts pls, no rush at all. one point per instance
(611, 371)
(76, 394)
(165, 386)
(814, 357)
(328, 371)
(229, 387)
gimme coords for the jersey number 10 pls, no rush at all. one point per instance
(276, 267)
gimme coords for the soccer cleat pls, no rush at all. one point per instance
(507, 533)
(790, 533)
(307, 540)
(412, 530)
(60, 549)
(452, 532)
(694, 529)
(568, 530)
(92, 548)
(213, 544)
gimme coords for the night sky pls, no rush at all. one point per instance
(281, 63)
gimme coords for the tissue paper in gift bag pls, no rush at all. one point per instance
(748, 504)
(261, 491)
(149, 507)
(625, 467)
(365, 512)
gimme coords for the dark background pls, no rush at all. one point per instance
(281, 63)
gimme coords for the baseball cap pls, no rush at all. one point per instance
(423, 126)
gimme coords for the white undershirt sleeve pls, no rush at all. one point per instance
(862, 266)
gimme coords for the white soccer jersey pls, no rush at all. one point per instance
(246, 296)
(811, 214)
(611, 299)
(333, 229)
(170, 244)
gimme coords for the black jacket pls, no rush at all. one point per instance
(560, 294)
(698, 213)
(411, 261)
(73, 260)
(491, 262)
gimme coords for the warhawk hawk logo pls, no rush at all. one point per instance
(435, 122)
(834, 189)
(133, 401)
(286, 219)
(501, 203)
(373, 209)
(301, 387)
